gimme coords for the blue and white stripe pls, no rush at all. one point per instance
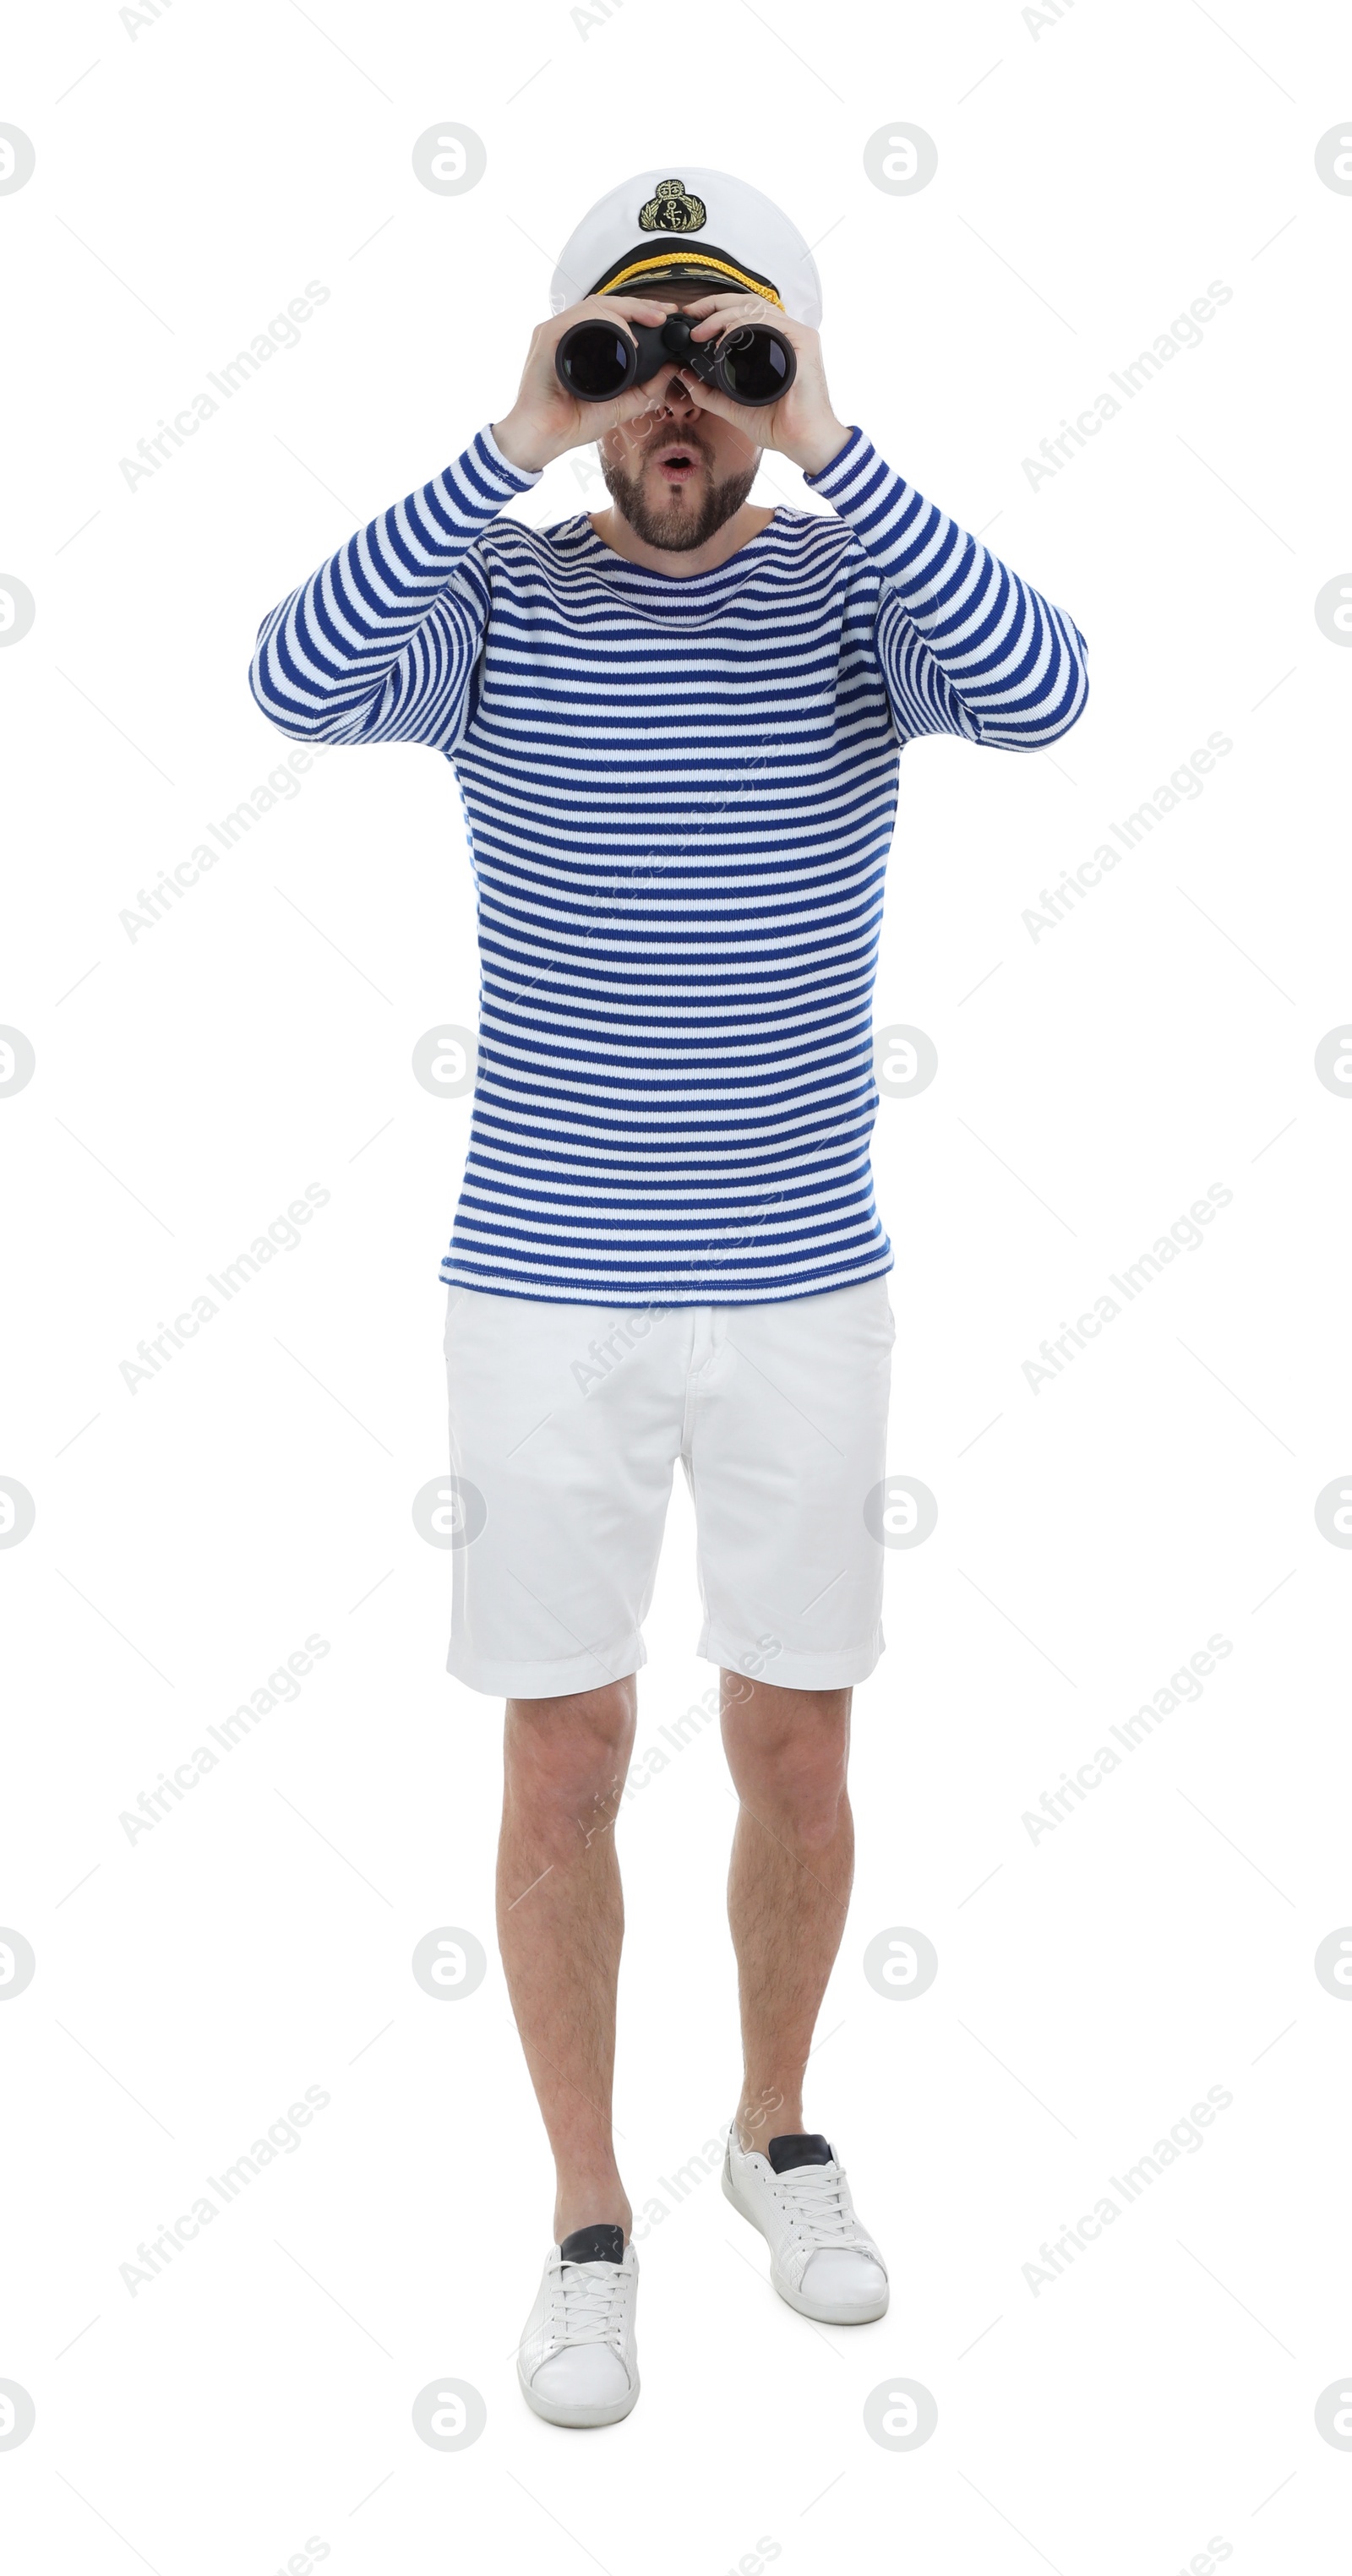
(680, 794)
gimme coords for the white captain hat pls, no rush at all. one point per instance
(696, 226)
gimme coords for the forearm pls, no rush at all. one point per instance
(359, 653)
(1012, 664)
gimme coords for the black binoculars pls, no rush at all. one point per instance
(753, 364)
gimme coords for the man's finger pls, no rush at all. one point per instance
(728, 308)
(766, 315)
(739, 295)
(603, 308)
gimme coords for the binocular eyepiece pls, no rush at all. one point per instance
(752, 364)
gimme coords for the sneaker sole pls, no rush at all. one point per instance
(579, 2418)
(820, 2313)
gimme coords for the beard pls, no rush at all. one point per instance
(677, 526)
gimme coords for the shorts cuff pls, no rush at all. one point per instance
(503, 1678)
(838, 1668)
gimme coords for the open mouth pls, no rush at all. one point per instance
(677, 465)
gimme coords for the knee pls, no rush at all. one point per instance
(810, 1809)
(802, 1805)
(565, 1759)
(788, 1753)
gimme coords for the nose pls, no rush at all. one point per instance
(678, 399)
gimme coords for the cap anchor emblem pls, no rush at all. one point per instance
(671, 209)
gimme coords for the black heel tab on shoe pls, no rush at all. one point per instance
(593, 2245)
(785, 2153)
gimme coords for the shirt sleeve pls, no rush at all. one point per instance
(965, 645)
(380, 644)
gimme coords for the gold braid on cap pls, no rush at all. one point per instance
(699, 262)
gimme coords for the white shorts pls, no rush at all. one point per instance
(566, 1423)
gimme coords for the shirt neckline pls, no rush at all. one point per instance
(672, 583)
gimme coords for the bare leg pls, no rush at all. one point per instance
(560, 1926)
(788, 1884)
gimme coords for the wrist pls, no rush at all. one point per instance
(823, 449)
(516, 444)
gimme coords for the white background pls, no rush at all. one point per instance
(1094, 175)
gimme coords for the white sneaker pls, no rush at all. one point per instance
(578, 2362)
(821, 2260)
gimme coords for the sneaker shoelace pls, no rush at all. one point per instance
(819, 2205)
(588, 2302)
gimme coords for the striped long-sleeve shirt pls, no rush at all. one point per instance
(680, 794)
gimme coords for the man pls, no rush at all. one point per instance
(675, 726)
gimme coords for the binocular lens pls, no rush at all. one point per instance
(754, 366)
(595, 361)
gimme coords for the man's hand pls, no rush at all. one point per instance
(802, 424)
(546, 420)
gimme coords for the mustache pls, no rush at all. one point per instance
(671, 440)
